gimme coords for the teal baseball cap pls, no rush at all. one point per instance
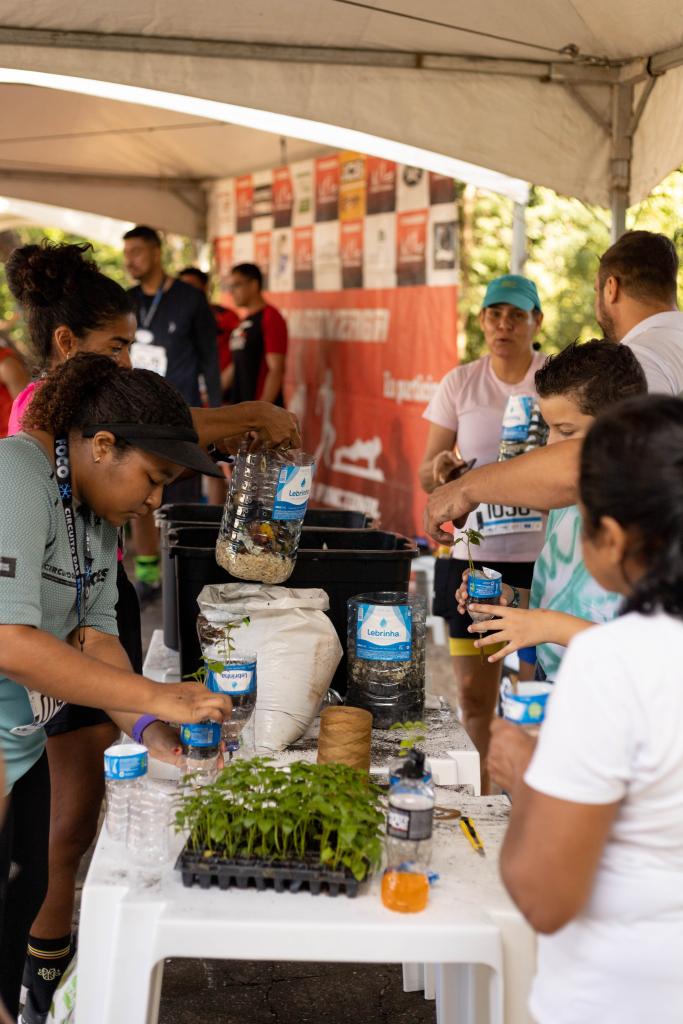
(514, 289)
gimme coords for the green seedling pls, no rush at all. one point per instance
(325, 813)
(226, 646)
(415, 733)
(471, 538)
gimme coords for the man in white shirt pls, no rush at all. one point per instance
(636, 305)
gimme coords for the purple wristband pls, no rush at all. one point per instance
(141, 725)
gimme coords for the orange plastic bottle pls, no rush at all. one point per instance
(405, 891)
(405, 885)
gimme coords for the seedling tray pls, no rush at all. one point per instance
(282, 876)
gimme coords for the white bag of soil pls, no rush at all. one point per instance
(297, 650)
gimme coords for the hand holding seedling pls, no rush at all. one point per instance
(462, 597)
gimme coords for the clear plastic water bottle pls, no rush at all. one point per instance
(149, 817)
(523, 427)
(484, 586)
(125, 768)
(410, 818)
(201, 743)
(237, 678)
(386, 656)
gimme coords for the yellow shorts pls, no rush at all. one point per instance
(463, 647)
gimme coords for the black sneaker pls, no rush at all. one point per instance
(147, 592)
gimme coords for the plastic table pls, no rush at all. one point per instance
(133, 918)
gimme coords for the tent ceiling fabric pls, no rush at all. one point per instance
(127, 161)
(543, 116)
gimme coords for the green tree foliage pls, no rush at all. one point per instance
(178, 253)
(565, 238)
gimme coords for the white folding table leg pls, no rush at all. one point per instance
(119, 979)
(413, 977)
(429, 986)
(453, 994)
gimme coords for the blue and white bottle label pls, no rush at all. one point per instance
(517, 417)
(293, 492)
(125, 767)
(485, 587)
(237, 680)
(384, 632)
(200, 734)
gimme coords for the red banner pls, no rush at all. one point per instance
(244, 200)
(283, 197)
(352, 380)
(303, 259)
(327, 188)
(262, 242)
(411, 240)
(223, 250)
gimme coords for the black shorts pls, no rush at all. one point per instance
(76, 716)
(447, 579)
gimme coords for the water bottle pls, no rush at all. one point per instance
(264, 514)
(237, 678)
(201, 744)
(386, 656)
(149, 817)
(125, 768)
(523, 427)
(410, 818)
(484, 586)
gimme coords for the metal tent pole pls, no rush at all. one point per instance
(518, 254)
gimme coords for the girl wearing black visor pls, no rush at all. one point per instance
(99, 443)
(71, 307)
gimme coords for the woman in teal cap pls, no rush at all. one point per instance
(466, 417)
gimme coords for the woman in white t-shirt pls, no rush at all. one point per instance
(593, 856)
(466, 417)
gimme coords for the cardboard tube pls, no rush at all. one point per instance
(345, 736)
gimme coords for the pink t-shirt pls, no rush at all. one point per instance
(470, 401)
(19, 407)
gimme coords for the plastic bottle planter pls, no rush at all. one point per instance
(237, 677)
(484, 586)
(386, 656)
(527, 705)
(264, 513)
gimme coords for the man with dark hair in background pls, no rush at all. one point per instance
(176, 337)
(226, 322)
(636, 304)
(259, 344)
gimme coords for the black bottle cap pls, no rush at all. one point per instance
(414, 766)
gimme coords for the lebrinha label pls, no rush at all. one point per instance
(384, 632)
(236, 679)
(293, 492)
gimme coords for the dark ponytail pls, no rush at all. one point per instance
(95, 389)
(58, 285)
(632, 471)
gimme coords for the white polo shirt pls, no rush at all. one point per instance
(657, 343)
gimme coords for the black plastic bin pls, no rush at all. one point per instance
(341, 562)
(198, 514)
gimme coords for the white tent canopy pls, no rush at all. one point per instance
(581, 96)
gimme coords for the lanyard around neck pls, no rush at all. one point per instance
(146, 320)
(63, 470)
